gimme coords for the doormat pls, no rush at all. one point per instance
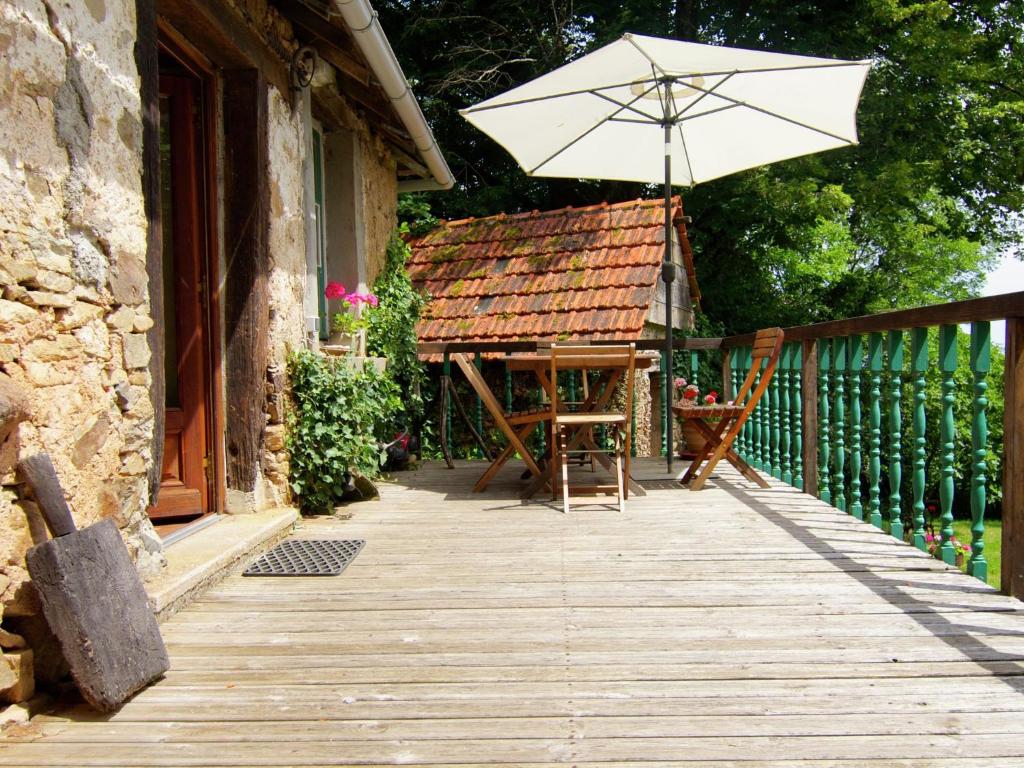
(306, 557)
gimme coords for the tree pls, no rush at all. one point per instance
(913, 214)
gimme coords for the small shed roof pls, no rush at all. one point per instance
(571, 273)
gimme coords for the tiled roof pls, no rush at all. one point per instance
(572, 273)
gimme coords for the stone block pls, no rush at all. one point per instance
(143, 322)
(47, 374)
(128, 281)
(91, 441)
(136, 351)
(20, 271)
(80, 313)
(17, 678)
(49, 299)
(9, 353)
(45, 280)
(11, 641)
(14, 314)
(122, 319)
(64, 347)
(275, 436)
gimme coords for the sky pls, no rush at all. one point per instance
(1008, 277)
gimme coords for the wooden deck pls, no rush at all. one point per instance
(729, 627)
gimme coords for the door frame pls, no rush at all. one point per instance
(173, 43)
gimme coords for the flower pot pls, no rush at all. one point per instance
(692, 438)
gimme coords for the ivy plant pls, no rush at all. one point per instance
(338, 412)
(391, 327)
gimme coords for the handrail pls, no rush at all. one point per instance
(972, 310)
(451, 347)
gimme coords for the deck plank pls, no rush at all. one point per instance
(732, 626)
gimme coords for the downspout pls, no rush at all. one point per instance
(362, 22)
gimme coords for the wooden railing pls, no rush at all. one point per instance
(821, 426)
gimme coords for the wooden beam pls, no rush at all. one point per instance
(1012, 567)
(222, 33)
(147, 62)
(246, 300)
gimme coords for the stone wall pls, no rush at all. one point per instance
(380, 195)
(74, 306)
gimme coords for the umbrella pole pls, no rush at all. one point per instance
(668, 275)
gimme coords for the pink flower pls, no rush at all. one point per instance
(710, 398)
(372, 300)
(334, 290)
(679, 382)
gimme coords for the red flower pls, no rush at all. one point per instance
(334, 290)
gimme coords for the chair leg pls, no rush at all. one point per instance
(557, 458)
(618, 471)
(565, 470)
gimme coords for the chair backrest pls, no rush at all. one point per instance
(764, 355)
(596, 357)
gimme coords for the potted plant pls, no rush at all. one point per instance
(688, 395)
(348, 325)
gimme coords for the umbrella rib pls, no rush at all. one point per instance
(762, 110)
(686, 153)
(654, 64)
(590, 130)
(704, 94)
(563, 94)
(618, 103)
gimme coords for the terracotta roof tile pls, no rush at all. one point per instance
(570, 273)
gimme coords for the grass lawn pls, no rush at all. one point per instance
(993, 544)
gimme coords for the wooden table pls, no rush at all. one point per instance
(540, 364)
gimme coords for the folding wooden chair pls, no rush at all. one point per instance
(516, 426)
(622, 361)
(719, 437)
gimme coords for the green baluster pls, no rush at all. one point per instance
(895, 433)
(947, 437)
(856, 363)
(757, 454)
(839, 411)
(737, 363)
(774, 444)
(572, 386)
(785, 369)
(981, 364)
(824, 420)
(479, 415)
(766, 429)
(796, 400)
(748, 428)
(918, 365)
(694, 365)
(875, 429)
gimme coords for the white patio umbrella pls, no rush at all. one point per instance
(641, 106)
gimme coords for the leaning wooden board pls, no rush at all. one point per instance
(92, 598)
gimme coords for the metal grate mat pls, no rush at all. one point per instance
(306, 557)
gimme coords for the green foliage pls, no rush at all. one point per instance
(391, 328)
(336, 412)
(910, 216)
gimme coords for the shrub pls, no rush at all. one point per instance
(337, 413)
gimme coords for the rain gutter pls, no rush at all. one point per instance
(362, 22)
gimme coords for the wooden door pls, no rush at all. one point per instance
(186, 487)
